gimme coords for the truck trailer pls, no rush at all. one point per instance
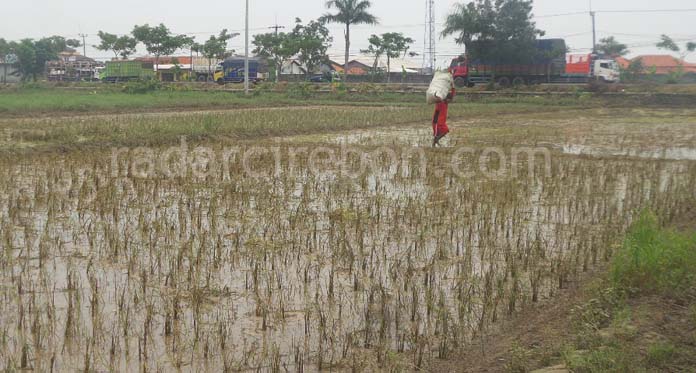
(231, 70)
(546, 67)
(124, 71)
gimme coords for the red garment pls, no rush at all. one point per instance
(440, 117)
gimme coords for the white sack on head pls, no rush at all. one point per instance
(440, 87)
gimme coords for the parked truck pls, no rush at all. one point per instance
(123, 71)
(550, 65)
(203, 68)
(231, 70)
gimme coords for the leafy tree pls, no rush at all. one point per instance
(122, 46)
(611, 47)
(275, 47)
(632, 72)
(390, 44)
(4, 48)
(348, 13)
(32, 55)
(669, 44)
(500, 31)
(159, 41)
(214, 48)
(311, 43)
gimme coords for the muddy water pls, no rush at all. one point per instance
(302, 271)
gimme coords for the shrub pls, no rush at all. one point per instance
(660, 353)
(142, 86)
(655, 259)
(301, 90)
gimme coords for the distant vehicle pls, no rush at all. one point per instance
(231, 70)
(200, 68)
(329, 77)
(544, 69)
(124, 71)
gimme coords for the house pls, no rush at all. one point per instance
(661, 64)
(359, 66)
(9, 73)
(293, 67)
(364, 64)
(72, 66)
(335, 66)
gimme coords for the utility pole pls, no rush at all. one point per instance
(276, 27)
(594, 29)
(429, 59)
(84, 46)
(594, 33)
(246, 50)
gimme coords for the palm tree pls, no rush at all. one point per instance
(350, 12)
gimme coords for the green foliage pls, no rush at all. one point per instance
(653, 259)
(159, 41)
(4, 48)
(122, 46)
(500, 31)
(142, 86)
(348, 13)
(390, 44)
(276, 47)
(301, 90)
(214, 48)
(668, 43)
(632, 72)
(611, 47)
(32, 55)
(312, 42)
(660, 353)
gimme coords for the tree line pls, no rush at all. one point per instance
(491, 30)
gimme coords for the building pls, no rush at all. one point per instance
(660, 64)
(9, 73)
(72, 66)
(293, 67)
(360, 66)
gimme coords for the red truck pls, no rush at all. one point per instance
(574, 68)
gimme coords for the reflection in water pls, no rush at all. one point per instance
(301, 272)
(679, 154)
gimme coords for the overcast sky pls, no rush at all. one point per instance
(37, 18)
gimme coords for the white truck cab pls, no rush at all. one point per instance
(607, 71)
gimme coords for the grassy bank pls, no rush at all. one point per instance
(47, 101)
(641, 317)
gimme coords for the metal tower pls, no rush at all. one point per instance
(429, 58)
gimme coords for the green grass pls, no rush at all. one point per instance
(654, 259)
(20, 101)
(654, 267)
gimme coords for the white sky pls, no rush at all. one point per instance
(38, 18)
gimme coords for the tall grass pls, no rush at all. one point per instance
(655, 259)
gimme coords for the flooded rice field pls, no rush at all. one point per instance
(109, 264)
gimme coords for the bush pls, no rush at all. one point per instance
(142, 86)
(301, 90)
(655, 259)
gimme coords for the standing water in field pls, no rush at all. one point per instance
(102, 269)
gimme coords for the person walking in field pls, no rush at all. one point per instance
(440, 128)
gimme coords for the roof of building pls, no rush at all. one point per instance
(662, 63)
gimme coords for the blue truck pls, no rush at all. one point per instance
(231, 70)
